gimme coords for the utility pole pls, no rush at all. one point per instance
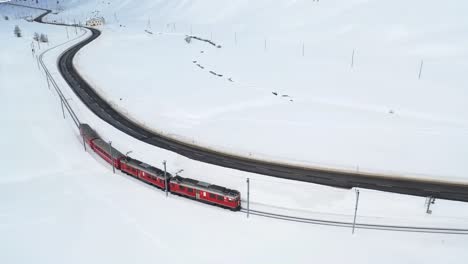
(180, 171)
(63, 111)
(112, 157)
(303, 49)
(352, 59)
(248, 197)
(61, 103)
(74, 23)
(126, 155)
(48, 83)
(84, 143)
(63, 100)
(66, 28)
(429, 200)
(355, 209)
(165, 177)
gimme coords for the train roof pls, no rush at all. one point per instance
(145, 167)
(107, 148)
(206, 186)
(88, 132)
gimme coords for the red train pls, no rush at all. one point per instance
(190, 188)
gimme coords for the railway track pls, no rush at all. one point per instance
(413, 229)
(329, 177)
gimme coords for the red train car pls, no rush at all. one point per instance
(144, 172)
(102, 148)
(205, 192)
(197, 190)
(108, 153)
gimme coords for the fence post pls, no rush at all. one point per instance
(420, 70)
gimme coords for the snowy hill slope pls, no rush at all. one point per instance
(351, 69)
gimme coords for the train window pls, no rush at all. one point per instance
(190, 190)
(220, 198)
(204, 194)
(181, 188)
(212, 196)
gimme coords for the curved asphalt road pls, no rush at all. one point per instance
(334, 178)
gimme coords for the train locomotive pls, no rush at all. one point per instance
(185, 187)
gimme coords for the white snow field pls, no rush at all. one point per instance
(376, 116)
(60, 204)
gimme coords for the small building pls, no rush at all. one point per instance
(95, 21)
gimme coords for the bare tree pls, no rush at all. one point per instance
(36, 36)
(17, 32)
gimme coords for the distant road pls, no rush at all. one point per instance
(330, 177)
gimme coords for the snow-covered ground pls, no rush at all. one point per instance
(59, 204)
(376, 116)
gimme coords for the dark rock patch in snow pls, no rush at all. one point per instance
(189, 38)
